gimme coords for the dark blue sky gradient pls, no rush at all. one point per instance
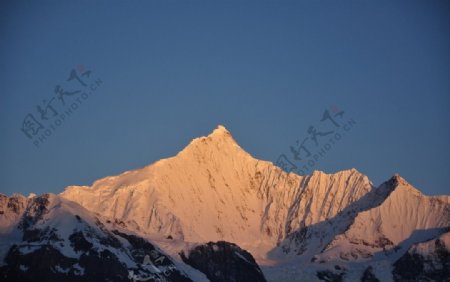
(173, 70)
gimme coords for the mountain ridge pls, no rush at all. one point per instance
(215, 191)
(208, 155)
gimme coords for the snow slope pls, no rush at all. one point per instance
(404, 218)
(55, 239)
(314, 227)
(213, 190)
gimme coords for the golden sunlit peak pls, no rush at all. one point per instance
(220, 129)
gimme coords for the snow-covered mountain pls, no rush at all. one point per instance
(320, 226)
(57, 240)
(214, 190)
(373, 234)
(49, 238)
(404, 217)
(429, 260)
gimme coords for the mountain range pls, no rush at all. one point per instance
(215, 213)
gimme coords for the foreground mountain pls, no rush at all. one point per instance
(321, 226)
(49, 238)
(52, 239)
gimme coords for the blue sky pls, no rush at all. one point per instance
(173, 70)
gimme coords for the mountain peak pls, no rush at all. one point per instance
(398, 183)
(399, 180)
(220, 133)
(218, 137)
(220, 130)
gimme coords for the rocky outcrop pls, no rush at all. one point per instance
(427, 261)
(61, 241)
(223, 261)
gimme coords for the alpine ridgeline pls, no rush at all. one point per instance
(213, 200)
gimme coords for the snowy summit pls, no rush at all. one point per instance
(295, 227)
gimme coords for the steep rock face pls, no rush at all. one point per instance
(368, 275)
(404, 218)
(310, 240)
(58, 240)
(11, 211)
(300, 228)
(427, 261)
(11, 208)
(214, 185)
(318, 198)
(223, 261)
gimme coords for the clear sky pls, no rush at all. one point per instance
(170, 71)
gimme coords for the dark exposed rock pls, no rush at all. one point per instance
(46, 263)
(141, 247)
(145, 253)
(368, 275)
(35, 211)
(16, 203)
(329, 276)
(223, 261)
(416, 267)
(79, 242)
(43, 262)
(38, 265)
(36, 234)
(96, 253)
